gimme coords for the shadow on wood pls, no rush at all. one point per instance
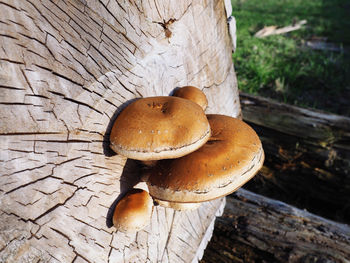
(106, 138)
(130, 177)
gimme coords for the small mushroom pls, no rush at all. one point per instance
(193, 94)
(157, 128)
(231, 157)
(133, 212)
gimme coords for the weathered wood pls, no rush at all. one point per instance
(317, 127)
(307, 156)
(67, 68)
(254, 228)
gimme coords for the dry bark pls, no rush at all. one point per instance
(67, 68)
(254, 228)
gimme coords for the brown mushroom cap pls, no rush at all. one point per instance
(159, 127)
(193, 94)
(231, 157)
(133, 212)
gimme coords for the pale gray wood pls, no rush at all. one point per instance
(322, 128)
(67, 68)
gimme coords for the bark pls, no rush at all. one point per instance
(254, 228)
(67, 69)
(307, 156)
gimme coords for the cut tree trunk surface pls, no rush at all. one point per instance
(307, 156)
(66, 69)
(254, 228)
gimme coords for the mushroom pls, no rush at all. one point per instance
(193, 94)
(133, 212)
(231, 157)
(177, 205)
(157, 128)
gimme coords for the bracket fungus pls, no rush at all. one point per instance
(191, 157)
(193, 94)
(133, 212)
(231, 157)
(157, 128)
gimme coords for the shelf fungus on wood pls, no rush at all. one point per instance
(157, 128)
(133, 212)
(231, 157)
(211, 155)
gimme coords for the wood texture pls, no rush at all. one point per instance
(67, 69)
(307, 156)
(254, 228)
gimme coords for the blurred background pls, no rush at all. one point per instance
(309, 66)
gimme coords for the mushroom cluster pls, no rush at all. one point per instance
(195, 157)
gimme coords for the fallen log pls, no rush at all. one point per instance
(254, 228)
(307, 156)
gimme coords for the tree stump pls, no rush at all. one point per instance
(67, 69)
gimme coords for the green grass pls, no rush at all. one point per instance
(280, 66)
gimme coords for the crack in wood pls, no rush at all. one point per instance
(10, 87)
(192, 226)
(8, 5)
(30, 203)
(30, 183)
(57, 205)
(170, 232)
(61, 76)
(24, 170)
(69, 243)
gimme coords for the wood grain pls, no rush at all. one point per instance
(66, 69)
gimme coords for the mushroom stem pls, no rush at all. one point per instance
(177, 205)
